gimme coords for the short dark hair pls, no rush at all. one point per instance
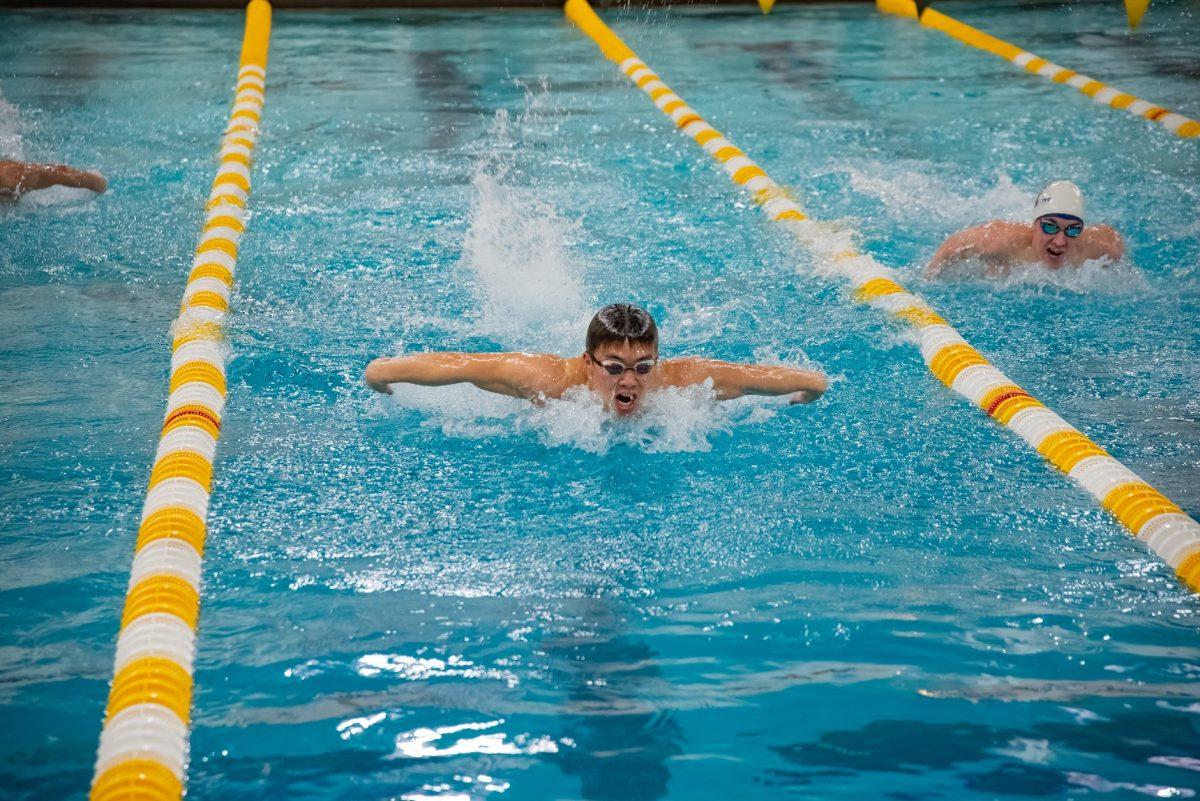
(621, 322)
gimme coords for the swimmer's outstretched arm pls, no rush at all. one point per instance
(733, 380)
(18, 177)
(521, 375)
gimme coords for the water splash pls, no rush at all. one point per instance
(674, 419)
(529, 288)
(528, 285)
(11, 144)
(1097, 276)
(948, 202)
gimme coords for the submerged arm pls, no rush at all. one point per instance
(521, 375)
(732, 380)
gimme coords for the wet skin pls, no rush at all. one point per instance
(1053, 249)
(1001, 245)
(18, 177)
(622, 393)
(538, 376)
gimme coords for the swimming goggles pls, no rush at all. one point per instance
(616, 368)
(1051, 228)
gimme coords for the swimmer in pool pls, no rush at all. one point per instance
(19, 177)
(620, 364)
(1056, 238)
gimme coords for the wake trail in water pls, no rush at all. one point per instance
(911, 194)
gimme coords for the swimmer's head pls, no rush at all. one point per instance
(1057, 221)
(621, 355)
(1059, 199)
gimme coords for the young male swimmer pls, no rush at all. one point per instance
(620, 364)
(19, 177)
(1056, 238)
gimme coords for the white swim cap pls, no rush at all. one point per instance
(1060, 198)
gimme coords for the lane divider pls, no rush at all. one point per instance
(1134, 11)
(144, 741)
(1147, 513)
(1101, 93)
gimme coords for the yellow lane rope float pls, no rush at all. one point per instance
(1109, 96)
(1147, 513)
(144, 741)
(1135, 10)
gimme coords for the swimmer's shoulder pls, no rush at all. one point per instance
(1102, 241)
(548, 374)
(1001, 237)
(684, 371)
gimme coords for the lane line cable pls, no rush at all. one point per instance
(143, 750)
(1102, 93)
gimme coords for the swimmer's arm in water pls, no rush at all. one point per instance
(521, 375)
(17, 177)
(992, 239)
(733, 380)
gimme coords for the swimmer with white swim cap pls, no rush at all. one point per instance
(619, 363)
(1057, 237)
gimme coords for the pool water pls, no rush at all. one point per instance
(460, 596)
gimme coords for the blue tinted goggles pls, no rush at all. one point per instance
(1050, 228)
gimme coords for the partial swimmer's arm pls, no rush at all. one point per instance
(733, 380)
(957, 247)
(19, 177)
(1102, 242)
(521, 375)
(991, 239)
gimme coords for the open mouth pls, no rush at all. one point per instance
(1055, 253)
(624, 402)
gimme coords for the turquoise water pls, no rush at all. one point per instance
(454, 595)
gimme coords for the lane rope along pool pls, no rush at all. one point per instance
(1147, 513)
(144, 742)
(1101, 93)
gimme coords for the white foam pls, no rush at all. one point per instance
(672, 420)
(528, 285)
(910, 193)
(11, 146)
(1098, 276)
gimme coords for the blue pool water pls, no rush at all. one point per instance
(452, 595)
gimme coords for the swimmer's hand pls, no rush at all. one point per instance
(806, 396)
(94, 181)
(375, 378)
